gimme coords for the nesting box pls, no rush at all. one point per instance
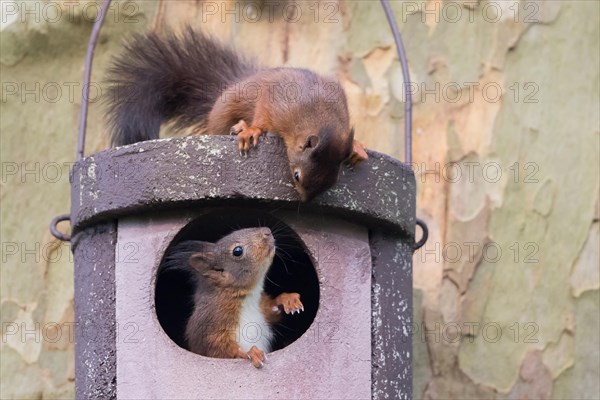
(348, 253)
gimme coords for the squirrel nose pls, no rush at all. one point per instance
(266, 232)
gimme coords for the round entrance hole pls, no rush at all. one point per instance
(292, 271)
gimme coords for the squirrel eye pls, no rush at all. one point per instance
(237, 251)
(297, 175)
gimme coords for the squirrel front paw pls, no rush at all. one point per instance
(290, 302)
(248, 136)
(256, 356)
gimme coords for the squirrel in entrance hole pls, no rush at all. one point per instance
(232, 317)
(196, 83)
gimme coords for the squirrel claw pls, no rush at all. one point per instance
(248, 136)
(290, 302)
(256, 356)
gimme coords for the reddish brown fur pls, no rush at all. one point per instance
(193, 82)
(224, 282)
(296, 104)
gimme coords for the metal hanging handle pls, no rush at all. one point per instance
(87, 73)
(406, 77)
(407, 105)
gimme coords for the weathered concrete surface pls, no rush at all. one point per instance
(197, 172)
(391, 331)
(95, 320)
(126, 180)
(331, 360)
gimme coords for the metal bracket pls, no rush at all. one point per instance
(425, 235)
(54, 227)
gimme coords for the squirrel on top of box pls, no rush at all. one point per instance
(194, 82)
(229, 277)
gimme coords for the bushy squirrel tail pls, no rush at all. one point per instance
(168, 78)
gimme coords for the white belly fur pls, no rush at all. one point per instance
(253, 329)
